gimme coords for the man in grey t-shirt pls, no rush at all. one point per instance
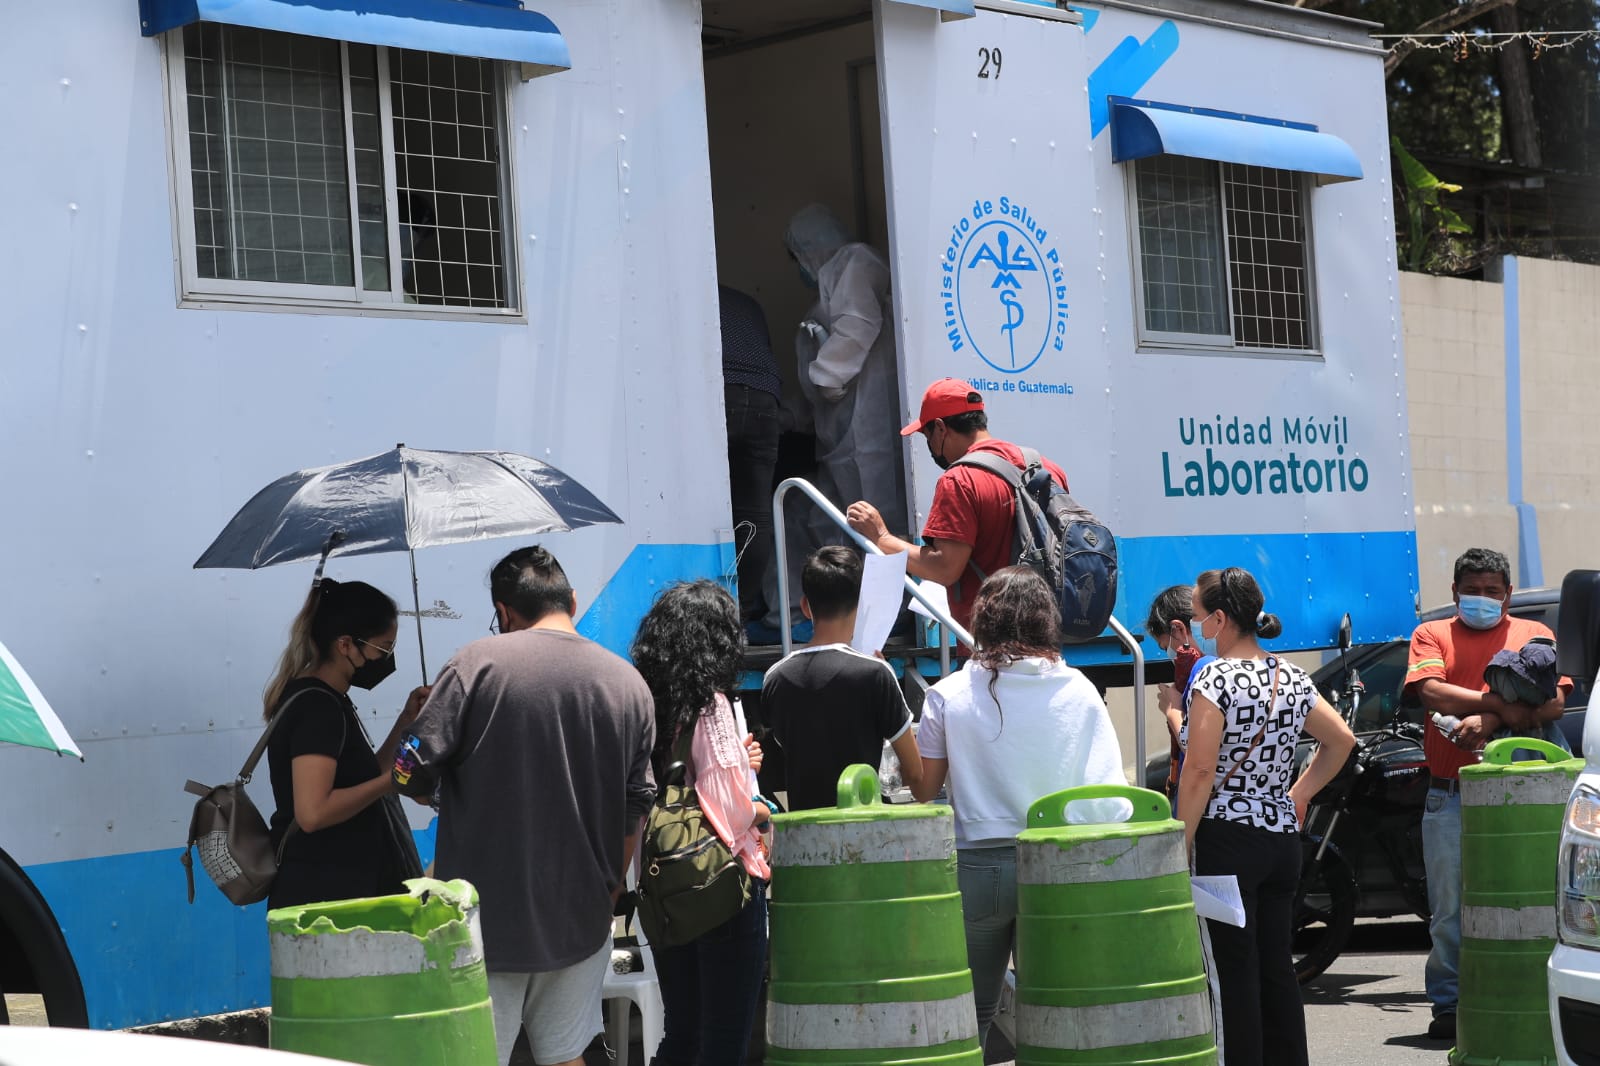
(539, 740)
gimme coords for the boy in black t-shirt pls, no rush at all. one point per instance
(829, 705)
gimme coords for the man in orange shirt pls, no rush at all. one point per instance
(1448, 658)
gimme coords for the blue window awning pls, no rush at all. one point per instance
(1141, 128)
(482, 29)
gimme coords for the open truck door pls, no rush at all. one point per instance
(992, 216)
(984, 129)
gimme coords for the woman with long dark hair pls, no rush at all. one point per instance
(339, 825)
(690, 650)
(1242, 816)
(1015, 725)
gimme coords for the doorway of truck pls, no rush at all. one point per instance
(792, 119)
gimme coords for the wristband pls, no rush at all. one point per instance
(773, 807)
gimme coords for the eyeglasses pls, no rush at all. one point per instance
(494, 624)
(383, 653)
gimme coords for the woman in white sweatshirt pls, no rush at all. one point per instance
(1015, 725)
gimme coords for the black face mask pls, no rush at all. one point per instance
(938, 456)
(372, 671)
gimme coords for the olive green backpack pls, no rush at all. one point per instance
(690, 882)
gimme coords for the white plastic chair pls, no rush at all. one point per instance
(640, 989)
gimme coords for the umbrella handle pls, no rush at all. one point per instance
(416, 605)
(335, 539)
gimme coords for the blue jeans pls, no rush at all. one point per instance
(988, 881)
(710, 989)
(1441, 856)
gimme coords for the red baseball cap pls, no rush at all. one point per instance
(945, 397)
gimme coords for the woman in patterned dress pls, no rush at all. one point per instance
(1241, 807)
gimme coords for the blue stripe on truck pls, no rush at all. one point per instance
(146, 956)
(1310, 580)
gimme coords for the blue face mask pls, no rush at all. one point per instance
(1207, 645)
(1480, 612)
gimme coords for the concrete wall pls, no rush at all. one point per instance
(1456, 377)
(1560, 322)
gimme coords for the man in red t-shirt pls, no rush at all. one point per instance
(1448, 658)
(972, 523)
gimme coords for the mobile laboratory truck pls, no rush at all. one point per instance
(252, 236)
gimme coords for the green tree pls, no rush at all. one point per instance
(1532, 106)
(1430, 224)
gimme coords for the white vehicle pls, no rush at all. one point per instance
(25, 1046)
(1575, 963)
(250, 238)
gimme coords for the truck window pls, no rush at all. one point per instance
(326, 172)
(1223, 255)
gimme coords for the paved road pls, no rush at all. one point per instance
(1369, 1009)
(25, 1010)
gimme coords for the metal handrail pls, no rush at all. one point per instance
(834, 515)
(780, 532)
(1131, 644)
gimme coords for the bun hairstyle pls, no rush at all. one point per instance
(333, 609)
(1235, 593)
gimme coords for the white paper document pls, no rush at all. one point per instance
(883, 582)
(935, 592)
(1216, 896)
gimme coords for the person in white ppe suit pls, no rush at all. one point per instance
(846, 352)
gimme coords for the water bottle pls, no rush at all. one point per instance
(1446, 723)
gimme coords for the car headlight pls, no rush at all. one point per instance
(1579, 883)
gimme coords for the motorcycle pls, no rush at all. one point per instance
(1362, 830)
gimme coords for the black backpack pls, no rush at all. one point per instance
(1061, 539)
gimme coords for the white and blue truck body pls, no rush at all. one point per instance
(156, 371)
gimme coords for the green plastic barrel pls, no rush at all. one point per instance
(868, 950)
(389, 981)
(1510, 834)
(1109, 968)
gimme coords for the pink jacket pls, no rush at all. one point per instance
(719, 771)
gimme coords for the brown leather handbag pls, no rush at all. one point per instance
(232, 838)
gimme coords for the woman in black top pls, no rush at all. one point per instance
(350, 838)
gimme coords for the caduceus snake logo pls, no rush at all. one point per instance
(1007, 287)
(1003, 286)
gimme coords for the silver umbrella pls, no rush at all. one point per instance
(402, 500)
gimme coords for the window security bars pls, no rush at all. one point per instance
(1223, 255)
(338, 172)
